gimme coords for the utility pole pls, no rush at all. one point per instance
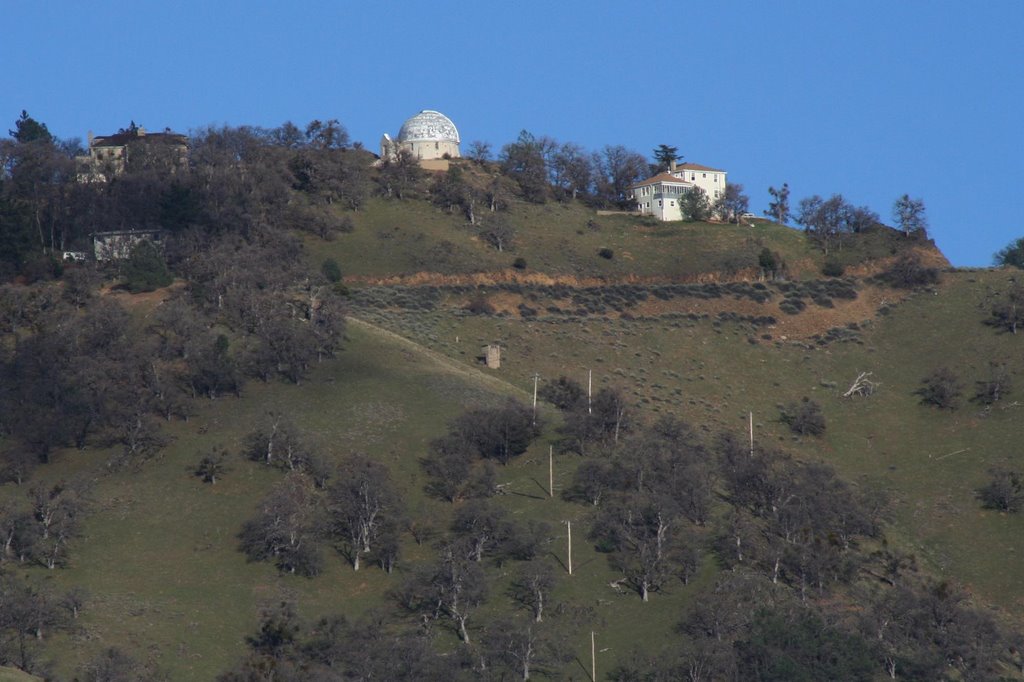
(751, 434)
(593, 658)
(536, 377)
(551, 471)
(568, 525)
(590, 390)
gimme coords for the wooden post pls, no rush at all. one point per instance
(535, 378)
(751, 434)
(593, 659)
(590, 390)
(551, 471)
(568, 525)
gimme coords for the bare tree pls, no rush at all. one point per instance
(572, 170)
(57, 511)
(996, 386)
(452, 588)
(212, 465)
(778, 208)
(823, 219)
(362, 502)
(532, 587)
(1008, 311)
(498, 233)
(732, 203)
(479, 151)
(482, 525)
(523, 648)
(399, 176)
(909, 215)
(287, 527)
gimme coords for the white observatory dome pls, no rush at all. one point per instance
(429, 126)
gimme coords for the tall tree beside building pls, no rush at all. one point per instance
(664, 156)
(732, 203)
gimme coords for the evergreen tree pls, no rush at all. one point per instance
(145, 269)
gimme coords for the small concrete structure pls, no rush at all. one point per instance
(118, 245)
(492, 356)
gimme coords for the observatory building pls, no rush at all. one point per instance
(428, 135)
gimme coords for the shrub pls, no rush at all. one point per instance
(145, 269)
(804, 417)
(1004, 492)
(519, 263)
(479, 305)
(331, 270)
(606, 253)
(908, 272)
(941, 388)
(346, 225)
(794, 305)
(770, 262)
(832, 268)
(822, 300)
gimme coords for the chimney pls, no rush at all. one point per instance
(672, 166)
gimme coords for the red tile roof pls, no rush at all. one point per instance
(698, 167)
(661, 177)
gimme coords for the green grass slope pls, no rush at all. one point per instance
(15, 675)
(159, 553)
(714, 372)
(562, 241)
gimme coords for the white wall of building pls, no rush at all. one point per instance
(710, 180)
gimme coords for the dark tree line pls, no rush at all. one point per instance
(81, 370)
(29, 615)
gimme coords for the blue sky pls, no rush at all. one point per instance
(871, 99)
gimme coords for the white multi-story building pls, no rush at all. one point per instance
(660, 195)
(711, 180)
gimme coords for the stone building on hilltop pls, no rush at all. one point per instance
(430, 137)
(110, 155)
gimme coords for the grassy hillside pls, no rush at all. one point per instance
(690, 357)
(562, 241)
(159, 556)
(660, 319)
